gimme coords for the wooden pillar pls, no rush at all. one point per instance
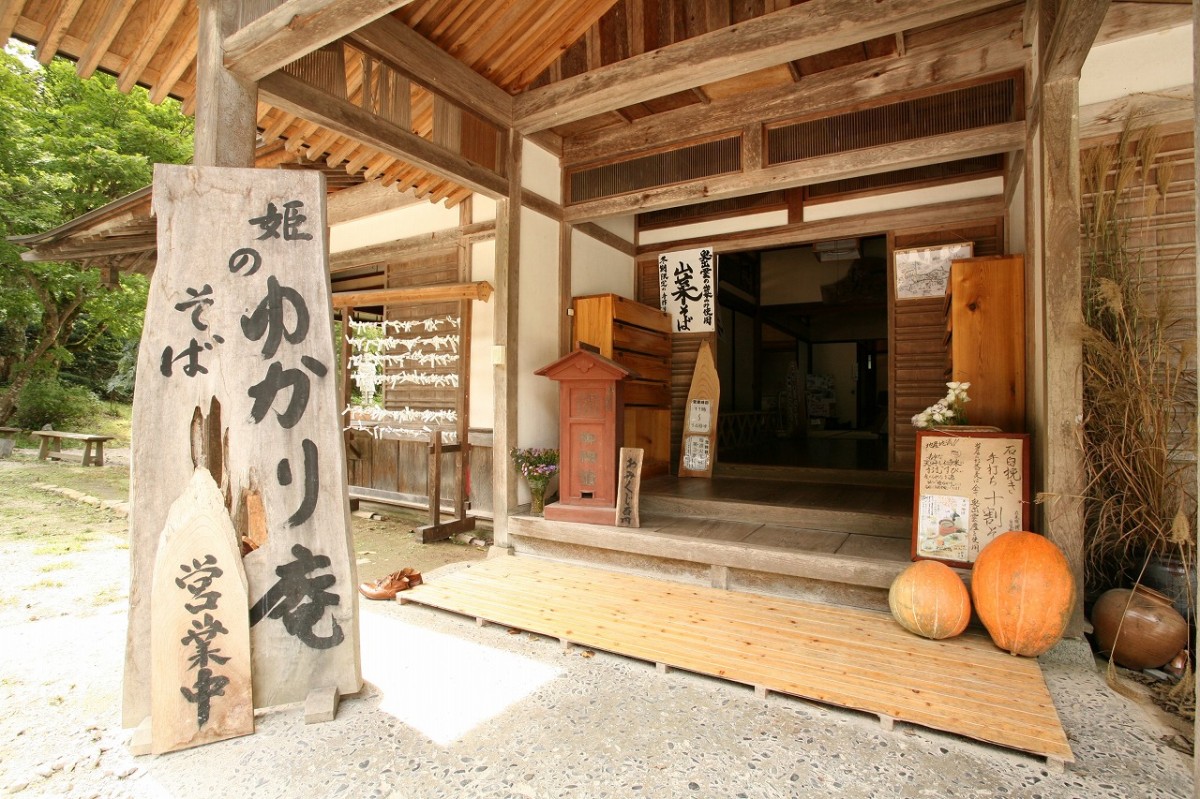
(226, 106)
(1196, 255)
(565, 321)
(1062, 281)
(505, 330)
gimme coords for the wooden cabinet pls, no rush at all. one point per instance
(638, 337)
(985, 338)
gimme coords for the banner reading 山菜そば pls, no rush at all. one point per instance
(687, 289)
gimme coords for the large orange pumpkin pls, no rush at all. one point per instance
(1024, 592)
(929, 599)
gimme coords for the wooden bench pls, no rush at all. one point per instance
(8, 440)
(93, 445)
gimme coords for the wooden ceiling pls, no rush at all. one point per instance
(540, 57)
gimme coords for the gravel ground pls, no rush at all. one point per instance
(456, 710)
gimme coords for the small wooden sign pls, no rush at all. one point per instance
(969, 487)
(200, 625)
(699, 447)
(629, 486)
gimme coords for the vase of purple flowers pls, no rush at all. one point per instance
(537, 465)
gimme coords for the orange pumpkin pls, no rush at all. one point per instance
(1024, 592)
(929, 599)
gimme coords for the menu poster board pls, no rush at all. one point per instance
(969, 488)
(925, 271)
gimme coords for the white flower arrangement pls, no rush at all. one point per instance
(948, 410)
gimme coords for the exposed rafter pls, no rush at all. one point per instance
(989, 50)
(295, 29)
(408, 52)
(296, 97)
(792, 33)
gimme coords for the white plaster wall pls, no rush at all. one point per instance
(537, 332)
(399, 223)
(540, 172)
(1146, 63)
(483, 316)
(714, 227)
(482, 208)
(966, 190)
(597, 268)
(623, 226)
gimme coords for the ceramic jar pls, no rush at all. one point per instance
(1152, 633)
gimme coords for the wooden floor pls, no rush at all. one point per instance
(850, 658)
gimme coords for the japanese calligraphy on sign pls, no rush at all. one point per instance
(687, 284)
(200, 636)
(970, 488)
(238, 375)
(629, 485)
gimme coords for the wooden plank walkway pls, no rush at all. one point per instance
(841, 656)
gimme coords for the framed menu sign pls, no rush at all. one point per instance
(969, 487)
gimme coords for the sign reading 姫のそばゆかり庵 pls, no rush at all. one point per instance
(969, 487)
(236, 373)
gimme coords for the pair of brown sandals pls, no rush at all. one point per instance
(387, 587)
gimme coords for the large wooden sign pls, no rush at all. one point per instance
(236, 374)
(200, 628)
(698, 450)
(969, 487)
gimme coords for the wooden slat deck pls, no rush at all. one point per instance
(842, 656)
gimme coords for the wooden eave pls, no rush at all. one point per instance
(592, 80)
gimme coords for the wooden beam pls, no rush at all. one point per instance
(390, 250)
(994, 49)
(1002, 138)
(814, 27)
(295, 29)
(1125, 20)
(296, 97)
(607, 238)
(442, 292)
(839, 227)
(365, 199)
(1075, 27)
(410, 53)
(1167, 107)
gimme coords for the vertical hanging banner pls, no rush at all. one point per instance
(687, 289)
(236, 374)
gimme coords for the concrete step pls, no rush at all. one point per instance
(664, 549)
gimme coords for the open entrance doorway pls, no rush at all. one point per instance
(803, 353)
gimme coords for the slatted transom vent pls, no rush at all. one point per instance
(718, 157)
(962, 109)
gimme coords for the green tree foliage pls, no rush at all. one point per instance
(68, 146)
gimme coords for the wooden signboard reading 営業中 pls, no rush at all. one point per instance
(969, 488)
(236, 373)
(200, 632)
